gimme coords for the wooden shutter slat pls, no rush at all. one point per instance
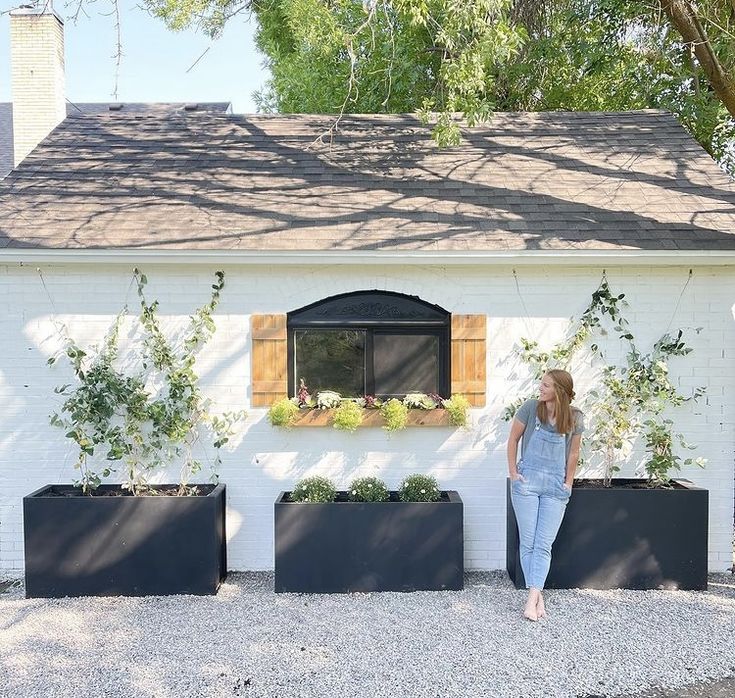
(469, 333)
(269, 359)
(279, 386)
(273, 333)
(469, 357)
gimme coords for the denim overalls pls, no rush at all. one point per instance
(539, 501)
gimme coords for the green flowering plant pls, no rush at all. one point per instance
(314, 489)
(368, 489)
(395, 415)
(140, 418)
(283, 413)
(348, 416)
(458, 408)
(419, 488)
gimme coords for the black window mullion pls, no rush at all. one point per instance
(369, 363)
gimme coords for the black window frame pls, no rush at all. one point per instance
(384, 312)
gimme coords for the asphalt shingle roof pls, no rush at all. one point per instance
(555, 180)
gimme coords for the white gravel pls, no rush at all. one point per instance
(248, 641)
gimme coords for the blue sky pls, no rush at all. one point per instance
(155, 62)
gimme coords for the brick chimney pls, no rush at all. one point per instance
(37, 77)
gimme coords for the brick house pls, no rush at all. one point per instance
(508, 235)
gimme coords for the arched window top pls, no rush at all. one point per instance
(369, 308)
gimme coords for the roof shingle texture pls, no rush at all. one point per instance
(555, 180)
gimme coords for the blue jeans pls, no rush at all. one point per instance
(539, 500)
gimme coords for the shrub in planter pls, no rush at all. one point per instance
(395, 414)
(348, 416)
(458, 407)
(419, 488)
(135, 421)
(348, 545)
(283, 413)
(314, 489)
(368, 489)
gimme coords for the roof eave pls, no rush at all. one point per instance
(27, 256)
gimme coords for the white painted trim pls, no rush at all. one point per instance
(351, 257)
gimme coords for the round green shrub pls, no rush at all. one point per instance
(368, 489)
(348, 416)
(283, 413)
(458, 408)
(395, 414)
(419, 488)
(314, 489)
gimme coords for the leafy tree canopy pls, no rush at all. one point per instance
(444, 58)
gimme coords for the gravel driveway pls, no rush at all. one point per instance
(248, 641)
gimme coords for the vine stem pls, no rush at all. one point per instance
(678, 301)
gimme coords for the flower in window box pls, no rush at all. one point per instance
(303, 397)
(419, 401)
(370, 402)
(327, 399)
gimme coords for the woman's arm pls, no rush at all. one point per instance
(516, 431)
(573, 459)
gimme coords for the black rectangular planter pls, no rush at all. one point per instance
(347, 547)
(124, 545)
(623, 538)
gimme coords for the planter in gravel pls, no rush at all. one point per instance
(627, 536)
(345, 546)
(113, 543)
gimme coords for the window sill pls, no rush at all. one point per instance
(315, 417)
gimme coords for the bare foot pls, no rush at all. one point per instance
(530, 611)
(540, 607)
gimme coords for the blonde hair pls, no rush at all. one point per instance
(563, 396)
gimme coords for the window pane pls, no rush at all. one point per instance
(406, 363)
(330, 360)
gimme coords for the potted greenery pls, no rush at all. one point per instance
(347, 414)
(637, 533)
(367, 538)
(134, 537)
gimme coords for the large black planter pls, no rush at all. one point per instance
(126, 546)
(623, 538)
(369, 546)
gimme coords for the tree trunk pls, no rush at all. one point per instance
(684, 17)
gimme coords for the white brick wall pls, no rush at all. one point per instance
(265, 461)
(37, 78)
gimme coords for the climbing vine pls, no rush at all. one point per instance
(142, 420)
(630, 400)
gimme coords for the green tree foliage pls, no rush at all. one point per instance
(470, 57)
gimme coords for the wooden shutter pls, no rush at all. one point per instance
(469, 338)
(269, 367)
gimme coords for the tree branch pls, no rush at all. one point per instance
(684, 17)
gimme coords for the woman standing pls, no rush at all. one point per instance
(541, 481)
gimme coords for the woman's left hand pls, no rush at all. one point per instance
(568, 486)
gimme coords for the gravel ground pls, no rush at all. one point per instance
(248, 641)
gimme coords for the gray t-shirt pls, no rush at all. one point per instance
(527, 414)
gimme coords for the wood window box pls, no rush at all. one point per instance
(314, 417)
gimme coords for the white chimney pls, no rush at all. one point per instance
(37, 77)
